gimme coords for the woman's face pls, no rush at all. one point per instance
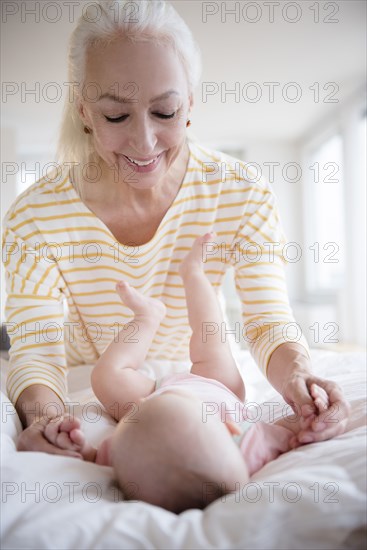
(136, 103)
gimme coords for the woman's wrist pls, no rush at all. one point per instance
(288, 361)
(38, 401)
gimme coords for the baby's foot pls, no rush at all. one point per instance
(65, 432)
(57, 431)
(88, 452)
(320, 397)
(321, 401)
(195, 259)
(141, 305)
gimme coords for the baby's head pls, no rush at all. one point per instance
(168, 456)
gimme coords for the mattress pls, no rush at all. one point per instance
(312, 497)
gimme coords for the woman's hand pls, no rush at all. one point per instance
(321, 404)
(44, 435)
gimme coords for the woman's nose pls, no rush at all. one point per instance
(143, 136)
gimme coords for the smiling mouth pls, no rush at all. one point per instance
(142, 162)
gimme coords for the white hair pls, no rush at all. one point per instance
(144, 20)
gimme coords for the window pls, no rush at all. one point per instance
(334, 211)
(32, 167)
(325, 222)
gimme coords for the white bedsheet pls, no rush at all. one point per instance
(313, 497)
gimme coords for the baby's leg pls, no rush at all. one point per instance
(116, 380)
(210, 354)
(132, 343)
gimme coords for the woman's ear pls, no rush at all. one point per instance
(82, 113)
(191, 102)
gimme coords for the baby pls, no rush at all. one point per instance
(179, 443)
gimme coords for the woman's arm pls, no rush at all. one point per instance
(288, 362)
(37, 401)
(275, 340)
(34, 318)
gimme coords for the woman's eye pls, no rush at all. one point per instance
(160, 115)
(123, 117)
(117, 119)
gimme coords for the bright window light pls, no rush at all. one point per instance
(326, 229)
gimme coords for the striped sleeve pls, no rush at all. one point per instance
(34, 316)
(260, 280)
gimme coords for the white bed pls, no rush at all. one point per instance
(313, 497)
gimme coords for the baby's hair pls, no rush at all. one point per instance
(171, 459)
(103, 21)
(193, 492)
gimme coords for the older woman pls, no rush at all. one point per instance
(133, 194)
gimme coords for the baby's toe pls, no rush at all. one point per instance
(77, 437)
(69, 423)
(64, 442)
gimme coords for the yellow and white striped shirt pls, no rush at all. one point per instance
(62, 264)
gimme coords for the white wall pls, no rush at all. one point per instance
(8, 190)
(35, 53)
(345, 308)
(285, 179)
